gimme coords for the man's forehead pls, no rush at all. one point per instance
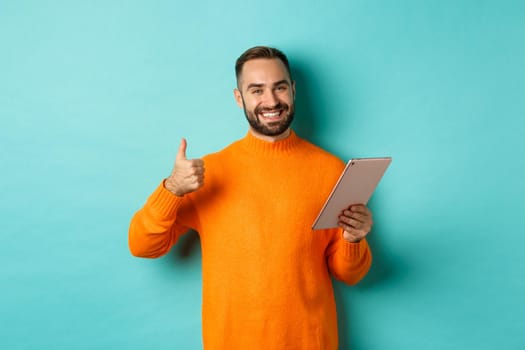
(263, 71)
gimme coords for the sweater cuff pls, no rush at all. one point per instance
(164, 202)
(354, 250)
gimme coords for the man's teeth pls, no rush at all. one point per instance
(271, 115)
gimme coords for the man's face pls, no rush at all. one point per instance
(266, 94)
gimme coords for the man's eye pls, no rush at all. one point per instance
(281, 88)
(257, 91)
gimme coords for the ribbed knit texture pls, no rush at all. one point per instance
(266, 274)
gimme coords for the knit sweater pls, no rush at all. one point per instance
(266, 273)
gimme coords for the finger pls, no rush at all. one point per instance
(197, 181)
(197, 163)
(356, 216)
(198, 171)
(361, 232)
(359, 208)
(351, 222)
(181, 154)
(193, 167)
(351, 230)
(196, 178)
(345, 227)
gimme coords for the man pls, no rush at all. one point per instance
(266, 274)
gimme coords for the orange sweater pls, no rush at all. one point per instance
(266, 274)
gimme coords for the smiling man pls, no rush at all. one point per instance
(266, 274)
(267, 102)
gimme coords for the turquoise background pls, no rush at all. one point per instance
(95, 96)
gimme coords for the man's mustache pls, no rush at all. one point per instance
(278, 106)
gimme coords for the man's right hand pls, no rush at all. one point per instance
(187, 175)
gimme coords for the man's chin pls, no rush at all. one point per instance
(271, 128)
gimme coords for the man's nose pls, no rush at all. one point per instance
(270, 99)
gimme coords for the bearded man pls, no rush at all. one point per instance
(266, 273)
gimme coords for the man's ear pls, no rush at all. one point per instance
(293, 89)
(238, 97)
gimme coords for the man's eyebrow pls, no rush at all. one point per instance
(284, 81)
(260, 85)
(254, 85)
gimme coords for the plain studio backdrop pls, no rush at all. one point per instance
(96, 95)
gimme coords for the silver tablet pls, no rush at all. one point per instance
(355, 186)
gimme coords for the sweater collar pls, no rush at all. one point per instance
(256, 145)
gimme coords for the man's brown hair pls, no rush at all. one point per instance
(260, 52)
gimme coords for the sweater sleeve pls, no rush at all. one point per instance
(156, 227)
(348, 262)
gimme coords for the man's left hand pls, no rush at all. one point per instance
(356, 221)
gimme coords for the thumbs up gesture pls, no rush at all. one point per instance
(187, 175)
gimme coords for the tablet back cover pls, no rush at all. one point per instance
(355, 186)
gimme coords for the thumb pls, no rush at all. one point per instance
(181, 154)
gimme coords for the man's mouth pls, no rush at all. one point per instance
(273, 115)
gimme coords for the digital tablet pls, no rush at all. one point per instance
(355, 186)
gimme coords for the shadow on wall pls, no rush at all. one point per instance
(187, 246)
(305, 121)
(382, 272)
(310, 104)
(318, 94)
(310, 123)
(385, 264)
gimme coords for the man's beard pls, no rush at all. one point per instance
(273, 128)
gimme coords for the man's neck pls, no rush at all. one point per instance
(267, 138)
